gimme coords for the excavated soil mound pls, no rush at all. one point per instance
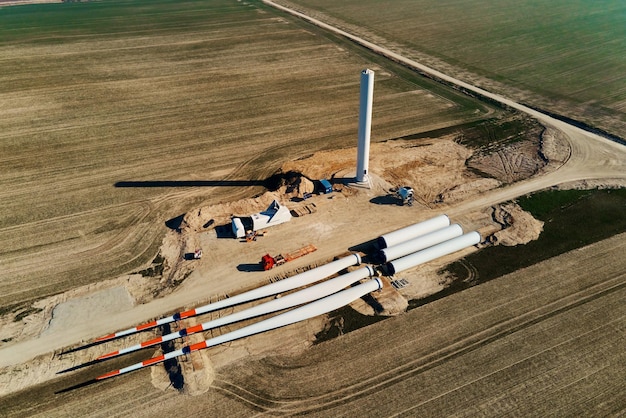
(518, 226)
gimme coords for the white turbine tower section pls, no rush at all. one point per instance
(302, 313)
(365, 125)
(302, 279)
(294, 299)
(420, 243)
(436, 251)
(413, 231)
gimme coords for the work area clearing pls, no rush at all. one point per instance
(314, 301)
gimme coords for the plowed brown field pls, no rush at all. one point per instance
(222, 93)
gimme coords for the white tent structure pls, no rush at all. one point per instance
(275, 214)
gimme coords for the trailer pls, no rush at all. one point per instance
(268, 262)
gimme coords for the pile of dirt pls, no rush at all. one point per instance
(290, 183)
(200, 220)
(191, 374)
(385, 302)
(436, 169)
(593, 184)
(284, 186)
(518, 226)
(432, 169)
(423, 281)
(554, 147)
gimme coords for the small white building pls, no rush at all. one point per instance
(275, 214)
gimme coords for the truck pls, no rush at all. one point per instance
(268, 262)
(405, 195)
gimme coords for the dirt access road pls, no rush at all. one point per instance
(592, 157)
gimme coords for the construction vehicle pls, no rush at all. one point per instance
(405, 194)
(268, 262)
(326, 186)
(252, 235)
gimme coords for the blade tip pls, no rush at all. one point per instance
(108, 355)
(108, 375)
(105, 338)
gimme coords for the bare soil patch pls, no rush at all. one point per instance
(511, 163)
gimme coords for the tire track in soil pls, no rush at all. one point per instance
(118, 240)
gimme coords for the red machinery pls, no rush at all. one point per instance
(268, 262)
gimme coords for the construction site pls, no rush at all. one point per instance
(285, 233)
(346, 273)
(325, 197)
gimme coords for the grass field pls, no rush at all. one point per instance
(569, 58)
(572, 219)
(98, 93)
